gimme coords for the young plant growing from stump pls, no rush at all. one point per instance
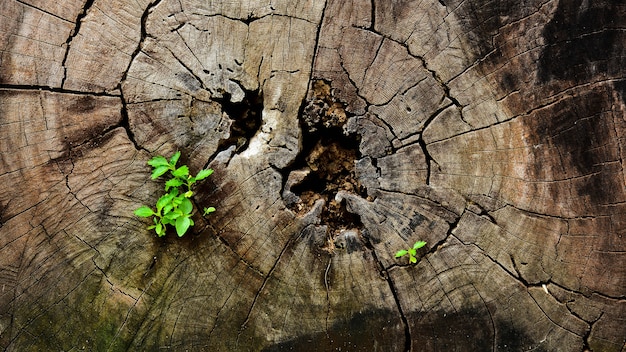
(411, 252)
(174, 207)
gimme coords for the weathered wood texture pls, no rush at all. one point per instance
(340, 132)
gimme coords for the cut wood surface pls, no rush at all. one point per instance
(340, 132)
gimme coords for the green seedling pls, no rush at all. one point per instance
(174, 208)
(411, 251)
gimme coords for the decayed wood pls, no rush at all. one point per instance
(340, 132)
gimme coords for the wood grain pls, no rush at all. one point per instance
(340, 132)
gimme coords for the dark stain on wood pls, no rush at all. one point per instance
(189, 81)
(509, 82)
(85, 103)
(76, 144)
(457, 331)
(576, 133)
(361, 332)
(482, 20)
(582, 39)
(416, 220)
(620, 86)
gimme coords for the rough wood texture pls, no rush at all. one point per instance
(340, 132)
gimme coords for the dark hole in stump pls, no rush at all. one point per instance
(246, 119)
(329, 155)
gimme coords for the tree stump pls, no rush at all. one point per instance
(340, 132)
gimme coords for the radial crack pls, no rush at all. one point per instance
(317, 41)
(67, 182)
(43, 10)
(54, 90)
(373, 16)
(392, 287)
(586, 345)
(327, 286)
(73, 34)
(142, 38)
(125, 123)
(517, 276)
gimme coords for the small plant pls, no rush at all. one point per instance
(174, 207)
(411, 251)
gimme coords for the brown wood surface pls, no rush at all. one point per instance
(340, 132)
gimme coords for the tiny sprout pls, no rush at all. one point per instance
(208, 210)
(411, 251)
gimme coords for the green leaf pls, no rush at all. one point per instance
(164, 200)
(182, 224)
(181, 172)
(412, 259)
(159, 171)
(175, 182)
(167, 208)
(203, 174)
(419, 244)
(174, 159)
(401, 253)
(178, 200)
(159, 229)
(157, 161)
(208, 210)
(412, 252)
(186, 206)
(144, 212)
(170, 217)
